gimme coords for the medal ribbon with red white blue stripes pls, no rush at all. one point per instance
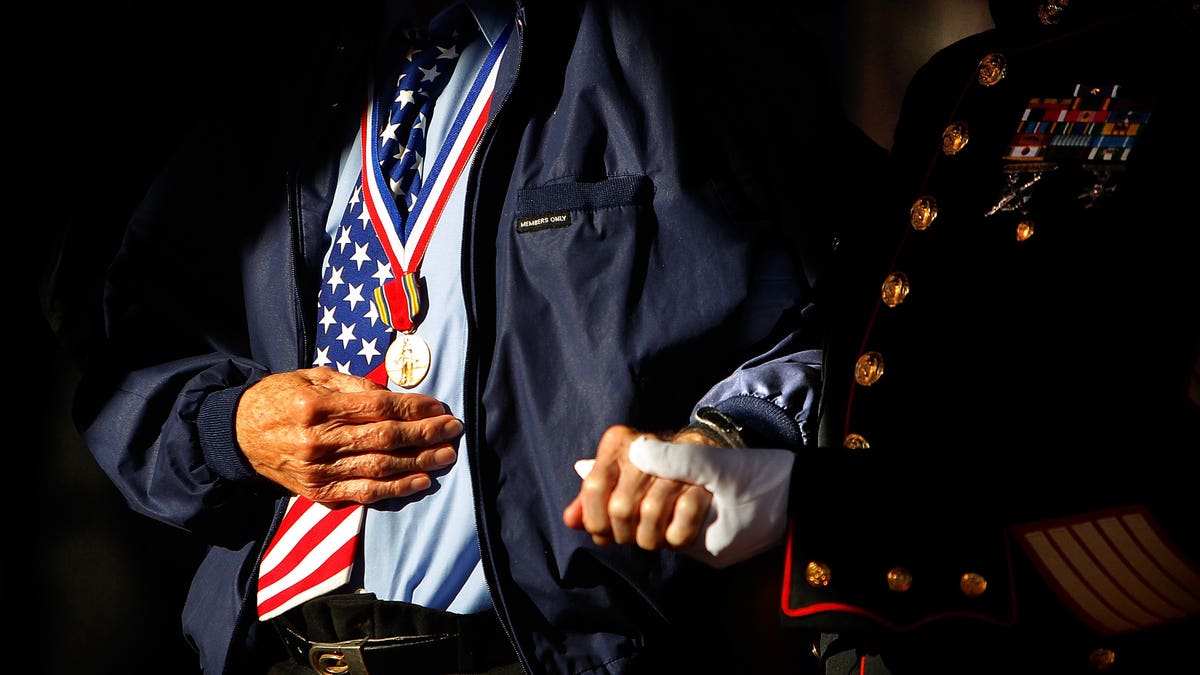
(399, 299)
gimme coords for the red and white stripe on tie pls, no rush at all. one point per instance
(311, 555)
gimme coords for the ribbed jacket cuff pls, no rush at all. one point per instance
(218, 440)
(764, 424)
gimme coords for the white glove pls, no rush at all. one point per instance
(748, 513)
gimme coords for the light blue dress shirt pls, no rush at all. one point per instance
(425, 549)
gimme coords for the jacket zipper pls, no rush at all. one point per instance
(470, 374)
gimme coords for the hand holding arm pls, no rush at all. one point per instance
(749, 488)
(334, 437)
(731, 502)
(693, 493)
(620, 503)
(719, 505)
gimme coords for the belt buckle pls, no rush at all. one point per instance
(338, 658)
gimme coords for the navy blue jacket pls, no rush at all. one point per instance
(687, 181)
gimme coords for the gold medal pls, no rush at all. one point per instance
(407, 360)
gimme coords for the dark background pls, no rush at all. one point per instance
(103, 93)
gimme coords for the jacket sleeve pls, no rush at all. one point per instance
(164, 436)
(201, 271)
(772, 397)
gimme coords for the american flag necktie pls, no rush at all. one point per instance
(313, 550)
(425, 71)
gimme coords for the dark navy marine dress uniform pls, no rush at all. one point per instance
(1012, 402)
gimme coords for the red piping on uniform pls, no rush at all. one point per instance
(818, 608)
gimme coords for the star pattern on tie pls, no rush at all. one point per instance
(350, 335)
(426, 68)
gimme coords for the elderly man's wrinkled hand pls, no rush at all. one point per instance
(334, 438)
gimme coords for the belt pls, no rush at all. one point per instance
(357, 634)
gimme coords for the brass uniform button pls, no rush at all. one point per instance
(1024, 230)
(899, 579)
(855, 442)
(1102, 659)
(955, 138)
(1049, 12)
(868, 369)
(817, 574)
(895, 289)
(972, 584)
(923, 212)
(992, 69)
